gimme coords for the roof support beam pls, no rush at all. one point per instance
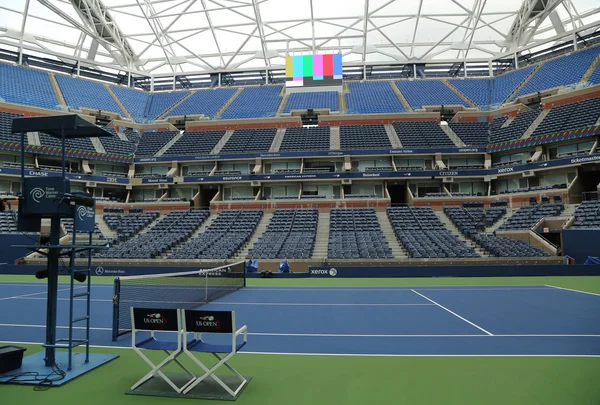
(529, 18)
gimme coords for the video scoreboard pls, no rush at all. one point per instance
(313, 70)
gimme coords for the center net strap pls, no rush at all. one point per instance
(187, 290)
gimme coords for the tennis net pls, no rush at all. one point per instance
(186, 290)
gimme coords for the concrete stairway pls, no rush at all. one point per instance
(169, 144)
(535, 124)
(174, 106)
(227, 104)
(452, 228)
(568, 211)
(393, 137)
(518, 89)
(401, 97)
(118, 101)
(276, 144)
(322, 237)
(334, 138)
(258, 232)
(57, 91)
(459, 94)
(106, 231)
(452, 135)
(386, 228)
(588, 73)
(283, 103)
(98, 145)
(342, 102)
(152, 224)
(493, 228)
(222, 142)
(508, 121)
(33, 138)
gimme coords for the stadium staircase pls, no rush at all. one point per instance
(535, 123)
(284, 100)
(172, 142)
(401, 97)
(98, 145)
(459, 94)
(393, 136)
(258, 232)
(498, 224)
(277, 140)
(151, 224)
(523, 83)
(508, 121)
(398, 251)
(452, 228)
(106, 231)
(342, 102)
(174, 106)
(222, 142)
(322, 236)
(118, 101)
(33, 138)
(334, 138)
(588, 73)
(57, 92)
(452, 135)
(122, 136)
(227, 104)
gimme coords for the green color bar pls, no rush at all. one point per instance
(307, 70)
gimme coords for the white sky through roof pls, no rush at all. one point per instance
(163, 36)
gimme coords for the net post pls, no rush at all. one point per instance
(116, 296)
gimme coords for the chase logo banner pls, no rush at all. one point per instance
(85, 218)
(209, 321)
(155, 319)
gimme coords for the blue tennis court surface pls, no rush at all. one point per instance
(529, 320)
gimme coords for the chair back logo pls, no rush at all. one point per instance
(208, 322)
(155, 319)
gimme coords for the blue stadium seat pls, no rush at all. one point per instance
(355, 233)
(21, 85)
(504, 85)
(305, 139)
(305, 101)
(372, 98)
(250, 140)
(135, 101)
(86, 93)
(364, 137)
(422, 134)
(563, 71)
(423, 235)
(423, 92)
(207, 102)
(158, 103)
(290, 235)
(476, 90)
(195, 143)
(227, 234)
(254, 102)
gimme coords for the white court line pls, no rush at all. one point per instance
(355, 354)
(310, 304)
(42, 284)
(63, 299)
(37, 293)
(398, 288)
(338, 335)
(454, 313)
(570, 289)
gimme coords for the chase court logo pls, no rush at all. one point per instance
(37, 194)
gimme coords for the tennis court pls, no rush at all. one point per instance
(532, 320)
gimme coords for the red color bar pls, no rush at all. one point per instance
(327, 65)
